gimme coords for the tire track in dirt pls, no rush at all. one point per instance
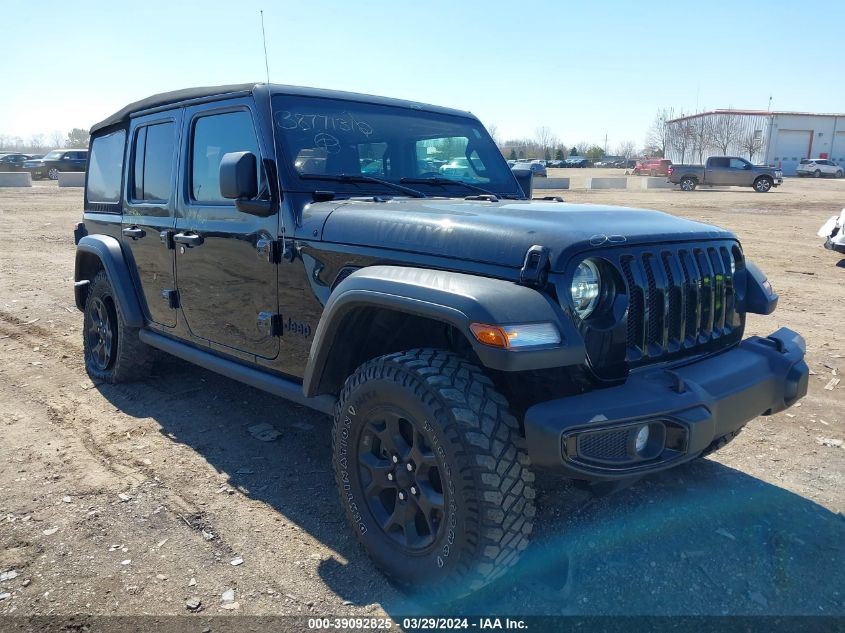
(62, 412)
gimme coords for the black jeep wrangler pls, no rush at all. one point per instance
(316, 244)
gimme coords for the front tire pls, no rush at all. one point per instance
(817, 174)
(763, 184)
(113, 352)
(688, 184)
(432, 472)
(53, 173)
(838, 174)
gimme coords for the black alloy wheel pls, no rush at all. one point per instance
(101, 334)
(401, 478)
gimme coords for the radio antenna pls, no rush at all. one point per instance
(264, 39)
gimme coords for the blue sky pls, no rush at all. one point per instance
(584, 69)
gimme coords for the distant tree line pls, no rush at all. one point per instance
(545, 145)
(41, 143)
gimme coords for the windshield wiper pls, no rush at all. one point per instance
(439, 180)
(362, 178)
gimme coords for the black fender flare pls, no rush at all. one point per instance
(457, 299)
(107, 249)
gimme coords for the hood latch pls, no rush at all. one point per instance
(535, 269)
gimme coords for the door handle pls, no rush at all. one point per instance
(188, 240)
(134, 232)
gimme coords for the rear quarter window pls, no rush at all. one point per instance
(106, 168)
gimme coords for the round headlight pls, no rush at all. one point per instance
(586, 286)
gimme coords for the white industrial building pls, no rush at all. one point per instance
(780, 139)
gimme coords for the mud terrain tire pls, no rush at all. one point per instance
(424, 427)
(113, 352)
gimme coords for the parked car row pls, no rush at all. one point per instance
(45, 166)
(13, 162)
(537, 167)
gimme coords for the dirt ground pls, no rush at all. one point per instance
(134, 499)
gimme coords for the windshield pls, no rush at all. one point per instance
(324, 139)
(53, 156)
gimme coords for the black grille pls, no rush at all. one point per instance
(678, 299)
(606, 445)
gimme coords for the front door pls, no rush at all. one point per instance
(739, 172)
(227, 282)
(149, 217)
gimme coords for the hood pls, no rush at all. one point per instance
(501, 232)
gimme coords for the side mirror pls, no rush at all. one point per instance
(238, 176)
(239, 182)
(525, 178)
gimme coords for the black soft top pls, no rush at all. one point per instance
(166, 98)
(186, 94)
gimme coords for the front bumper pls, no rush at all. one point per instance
(591, 436)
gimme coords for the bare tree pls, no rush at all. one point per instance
(752, 143)
(626, 149)
(725, 130)
(680, 133)
(702, 136)
(658, 139)
(544, 137)
(57, 139)
(37, 143)
(493, 130)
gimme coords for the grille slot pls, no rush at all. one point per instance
(679, 298)
(604, 445)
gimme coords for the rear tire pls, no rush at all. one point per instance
(688, 184)
(432, 472)
(763, 184)
(113, 352)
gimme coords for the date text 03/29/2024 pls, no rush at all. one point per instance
(417, 624)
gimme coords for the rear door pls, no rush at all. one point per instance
(716, 171)
(227, 283)
(73, 161)
(149, 215)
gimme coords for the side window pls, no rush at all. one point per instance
(152, 167)
(106, 167)
(215, 135)
(738, 163)
(718, 163)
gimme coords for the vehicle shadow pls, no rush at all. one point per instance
(699, 539)
(841, 263)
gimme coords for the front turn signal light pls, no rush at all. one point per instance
(522, 336)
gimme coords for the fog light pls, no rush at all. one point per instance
(641, 440)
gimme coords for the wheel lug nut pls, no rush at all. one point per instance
(389, 476)
(395, 459)
(413, 490)
(409, 466)
(401, 496)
